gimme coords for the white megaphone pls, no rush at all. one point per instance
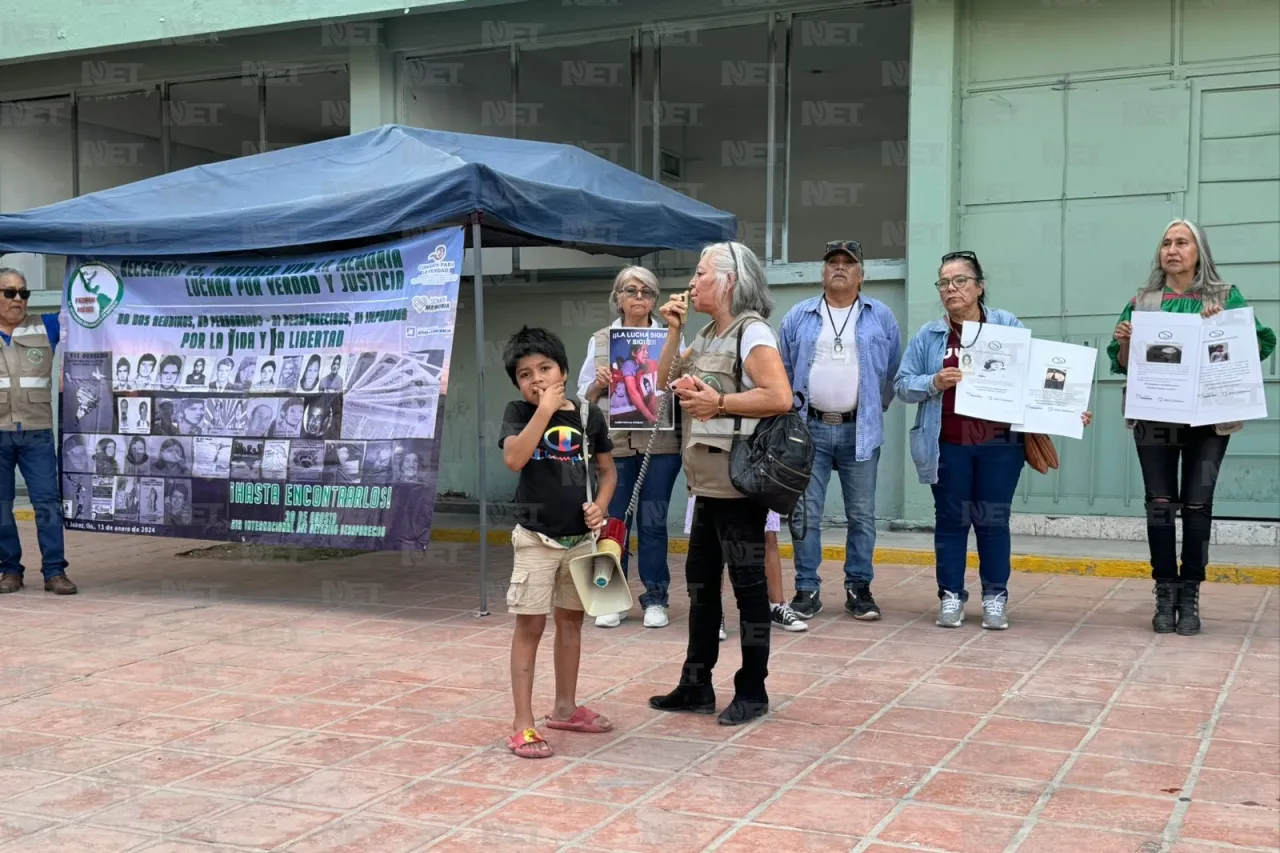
(598, 576)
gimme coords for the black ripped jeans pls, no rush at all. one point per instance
(727, 531)
(1201, 449)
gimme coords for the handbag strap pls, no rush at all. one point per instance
(585, 413)
(653, 438)
(739, 367)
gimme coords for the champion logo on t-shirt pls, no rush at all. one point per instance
(560, 444)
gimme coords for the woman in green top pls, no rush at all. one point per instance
(1183, 280)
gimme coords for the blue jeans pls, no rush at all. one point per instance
(650, 523)
(975, 488)
(33, 452)
(834, 447)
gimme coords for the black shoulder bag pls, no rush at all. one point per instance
(772, 465)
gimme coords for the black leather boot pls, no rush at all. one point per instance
(1166, 604)
(1189, 608)
(689, 698)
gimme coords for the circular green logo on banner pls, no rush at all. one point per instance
(94, 291)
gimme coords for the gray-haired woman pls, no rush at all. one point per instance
(632, 301)
(1183, 280)
(729, 286)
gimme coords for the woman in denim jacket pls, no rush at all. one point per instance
(972, 464)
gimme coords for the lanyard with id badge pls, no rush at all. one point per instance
(840, 352)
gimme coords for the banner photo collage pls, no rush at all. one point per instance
(287, 401)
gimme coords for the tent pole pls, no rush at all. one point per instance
(478, 282)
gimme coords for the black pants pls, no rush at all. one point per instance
(727, 531)
(1201, 450)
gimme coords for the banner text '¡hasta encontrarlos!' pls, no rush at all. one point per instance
(330, 497)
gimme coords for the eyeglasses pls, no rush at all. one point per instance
(963, 255)
(641, 292)
(14, 293)
(957, 281)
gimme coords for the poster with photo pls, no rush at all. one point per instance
(86, 393)
(272, 400)
(151, 500)
(634, 396)
(77, 491)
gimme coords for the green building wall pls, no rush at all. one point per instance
(1055, 139)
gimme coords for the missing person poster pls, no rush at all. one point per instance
(281, 401)
(634, 398)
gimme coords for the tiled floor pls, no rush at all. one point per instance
(180, 706)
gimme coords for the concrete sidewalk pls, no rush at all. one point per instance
(357, 705)
(1112, 558)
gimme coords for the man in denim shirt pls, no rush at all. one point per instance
(841, 351)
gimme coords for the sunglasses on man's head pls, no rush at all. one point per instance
(14, 293)
(850, 246)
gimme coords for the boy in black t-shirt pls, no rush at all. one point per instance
(541, 438)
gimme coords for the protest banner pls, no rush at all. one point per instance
(269, 400)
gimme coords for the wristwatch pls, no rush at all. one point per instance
(720, 407)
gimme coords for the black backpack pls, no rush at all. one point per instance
(772, 465)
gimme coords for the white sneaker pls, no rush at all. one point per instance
(724, 635)
(786, 619)
(994, 617)
(655, 616)
(951, 612)
(610, 620)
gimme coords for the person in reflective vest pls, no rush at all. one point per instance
(26, 435)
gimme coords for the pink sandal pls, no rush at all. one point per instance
(582, 721)
(525, 744)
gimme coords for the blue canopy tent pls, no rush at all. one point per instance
(377, 185)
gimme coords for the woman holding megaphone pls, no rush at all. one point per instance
(729, 286)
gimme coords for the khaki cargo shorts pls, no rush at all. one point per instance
(540, 574)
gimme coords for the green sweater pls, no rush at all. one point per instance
(1177, 303)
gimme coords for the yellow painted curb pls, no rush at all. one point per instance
(1084, 566)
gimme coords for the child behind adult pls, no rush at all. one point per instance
(542, 436)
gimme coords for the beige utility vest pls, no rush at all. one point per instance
(713, 359)
(629, 442)
(26, 378)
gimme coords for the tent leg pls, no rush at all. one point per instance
(482, 447)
